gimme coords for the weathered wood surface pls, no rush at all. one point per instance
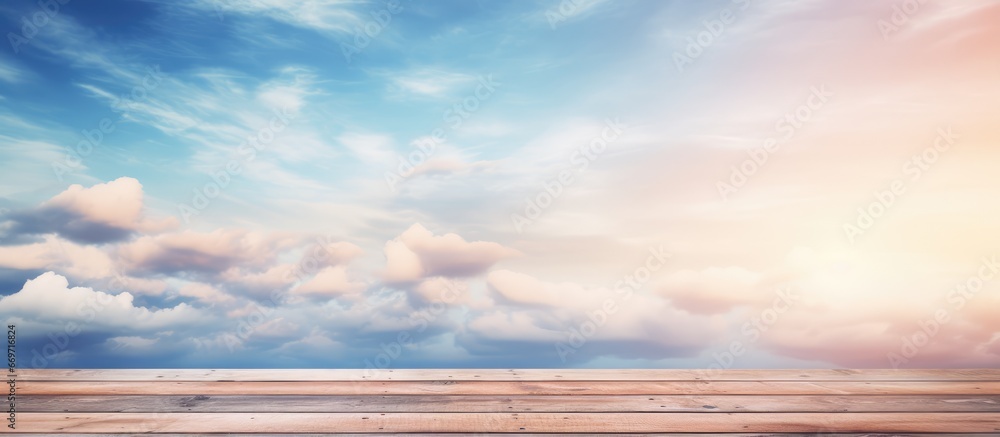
(509, 388)
(481, 401)
(508, 404)
(512, 422)
(509, 375)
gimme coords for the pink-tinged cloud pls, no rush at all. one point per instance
(881, 338)
(519, 288)
(78, 262)
(257, 282)
(330, 282)
(417, 253)
(544, 318)
(714, 290)
(205, 293)
(212, 252)
(442, 290)
(103, 213)
(329, 253)
(319, 272)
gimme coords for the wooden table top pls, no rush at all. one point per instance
(484, 401)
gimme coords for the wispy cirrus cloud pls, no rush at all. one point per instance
(322, 15)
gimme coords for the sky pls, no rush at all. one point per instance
(496, 184)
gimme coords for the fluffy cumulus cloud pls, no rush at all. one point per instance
(327, 252)
(211, 252)
(519, 288)
(566, 324)
(417, 253)
(443, 290)
(205, 293)
(80, 262)
(331, 281)
(715, 290)
(52, 252)
(231, 293)
(48, 299)
(102, 213)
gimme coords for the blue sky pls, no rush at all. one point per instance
(299, 184)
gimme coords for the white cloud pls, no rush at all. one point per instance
(9, 73)
(427, 82)
(48, 299)
(320, 15)
(369, 148)
(131, 342)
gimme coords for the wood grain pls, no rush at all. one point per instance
(510, 422)
(508, 404)
(454, 387)
(508, 375)
(508, 401)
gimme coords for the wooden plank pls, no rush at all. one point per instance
(512, 423)
(509, 404)
(581, 388)
(507, 374)
(410, 401)
(671, 434)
